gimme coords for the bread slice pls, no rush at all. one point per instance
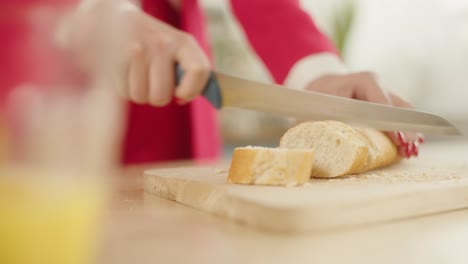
(382, 152)
(270, 166)
(340, 149)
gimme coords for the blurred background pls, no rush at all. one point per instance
(418, 48)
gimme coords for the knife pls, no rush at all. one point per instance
(223, 90)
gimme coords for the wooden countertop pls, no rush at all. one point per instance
(146, 229)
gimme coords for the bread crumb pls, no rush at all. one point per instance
(221, 170)
(417, 176)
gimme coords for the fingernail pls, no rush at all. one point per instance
(421, 138)
(400, 136)
(412, 148)
(416, 151)
(409, 151)
(401, 139)
(416, 148)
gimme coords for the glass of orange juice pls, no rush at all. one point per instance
(58, 147)
(56, 178)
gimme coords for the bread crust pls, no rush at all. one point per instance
(270, 166)
(241, 169)
(372, 148)
(385, 152)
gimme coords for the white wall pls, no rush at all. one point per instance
(419, 48)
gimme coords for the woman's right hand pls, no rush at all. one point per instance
(138, 53)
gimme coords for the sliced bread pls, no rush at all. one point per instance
(270, 166)
(382, 152)
(340, 149)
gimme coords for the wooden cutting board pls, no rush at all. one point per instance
(430, 184)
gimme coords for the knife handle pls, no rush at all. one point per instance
(211, 91)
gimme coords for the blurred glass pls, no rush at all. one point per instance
(48, 219)
(57, 147)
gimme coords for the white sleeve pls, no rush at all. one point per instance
(312, 67)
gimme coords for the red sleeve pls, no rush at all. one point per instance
(280, 32)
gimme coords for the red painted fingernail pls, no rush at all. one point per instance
(416, 150)
(409, 150)
(413, 149)
(421, 139)
(401, 139)
(400, 136)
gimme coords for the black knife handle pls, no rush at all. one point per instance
(211, 91)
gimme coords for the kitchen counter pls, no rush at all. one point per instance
(146, 229)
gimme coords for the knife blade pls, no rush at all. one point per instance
(223, 90)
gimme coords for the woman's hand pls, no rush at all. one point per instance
(364, 86)
(138, 53)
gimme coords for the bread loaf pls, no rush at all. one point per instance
(340, 149)
(270, 166)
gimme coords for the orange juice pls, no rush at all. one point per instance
(48, 220)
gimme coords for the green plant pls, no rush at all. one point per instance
(342, 24)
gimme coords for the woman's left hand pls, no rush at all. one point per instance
(364, 86)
